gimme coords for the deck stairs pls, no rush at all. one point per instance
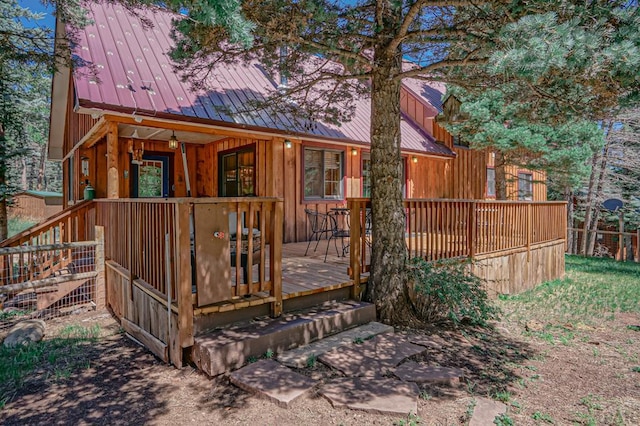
(226, 349)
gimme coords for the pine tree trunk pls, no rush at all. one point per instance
(601, 170)
(501, 176)
(568, 196)
(588, 205)
(4, 231)
(387, 285)
(42, 172)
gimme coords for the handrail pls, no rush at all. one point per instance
(52, 220)
(449, 228)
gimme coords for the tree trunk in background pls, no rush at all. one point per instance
(4, 232)
(601, 169)
(568, 196)
(42, 169)
(594, 192)
(501, 176)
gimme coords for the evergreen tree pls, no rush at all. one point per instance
(559, 57)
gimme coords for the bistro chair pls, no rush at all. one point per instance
(247, 260)
(338, 231)
(319, 227)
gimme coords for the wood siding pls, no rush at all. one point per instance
(33, 207)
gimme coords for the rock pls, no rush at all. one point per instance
(25, 332)
(534, 325)
(485, 412)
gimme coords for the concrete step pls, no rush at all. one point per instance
(230, 348)
(299, 357)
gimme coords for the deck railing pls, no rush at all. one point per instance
(444, 229)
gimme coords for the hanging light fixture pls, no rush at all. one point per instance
(173, 141)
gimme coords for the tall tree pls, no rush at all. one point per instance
(338, 50)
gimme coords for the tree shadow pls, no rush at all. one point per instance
(117, 384)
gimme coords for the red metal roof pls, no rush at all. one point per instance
(135, 75)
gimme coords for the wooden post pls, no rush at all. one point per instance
(113, 175)
(354, 246)
(471, 229)
(621, 247)
(637, 251)
(100, 278)
(183, 283)
(275, 271)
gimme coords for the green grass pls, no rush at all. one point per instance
(52, 359)
(17, 225)
(594, 290)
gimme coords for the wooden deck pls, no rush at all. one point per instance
(303, 275)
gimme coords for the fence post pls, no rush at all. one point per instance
(100, 277)
(275, 260)
(637, 251)
(354, 246)
(183, 282)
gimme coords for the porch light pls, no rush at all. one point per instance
(354, 151)
(414, 159)
(173, 141)
(288, 143)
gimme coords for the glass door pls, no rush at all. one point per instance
(237, 173)
(151, 178)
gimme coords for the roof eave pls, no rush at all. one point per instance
(59, 96)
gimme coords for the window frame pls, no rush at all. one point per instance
(341, 185)
(487, 194)
(235, 151)
(527, 177)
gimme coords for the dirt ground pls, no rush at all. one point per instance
(586, 376)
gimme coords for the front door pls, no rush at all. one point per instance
(151, 178)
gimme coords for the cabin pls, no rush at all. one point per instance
(35, 205)
(211, 219)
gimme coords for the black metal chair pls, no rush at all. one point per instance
(319, 227)
(337, 231)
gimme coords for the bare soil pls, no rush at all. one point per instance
(584, 376)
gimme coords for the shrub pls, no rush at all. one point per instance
(447, 290)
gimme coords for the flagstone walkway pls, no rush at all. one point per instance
(376, 376)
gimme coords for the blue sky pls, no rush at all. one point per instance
(36, 6)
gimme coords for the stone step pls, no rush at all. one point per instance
(411, 371)
(299, 357)
(230, 348)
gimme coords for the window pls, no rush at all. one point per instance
(237, 173)
(491, 182)
(525, 186)
(458, 141)
(322, 174)
(150, 178)
(71, 180)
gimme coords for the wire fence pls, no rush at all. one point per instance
(49, 281)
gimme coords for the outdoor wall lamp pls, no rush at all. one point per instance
(354, 151)
(173, 141)
(288, 143)
(414, 159)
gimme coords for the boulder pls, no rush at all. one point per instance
(25, 332)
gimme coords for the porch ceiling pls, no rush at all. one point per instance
(155, 133)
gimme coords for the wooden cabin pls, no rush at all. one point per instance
(35, 205)
(205, 215)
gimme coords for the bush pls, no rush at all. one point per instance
(447, 290)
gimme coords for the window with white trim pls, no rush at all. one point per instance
(323, 174)
(491, 182)
(525, 186)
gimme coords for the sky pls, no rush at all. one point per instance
(36, 6)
